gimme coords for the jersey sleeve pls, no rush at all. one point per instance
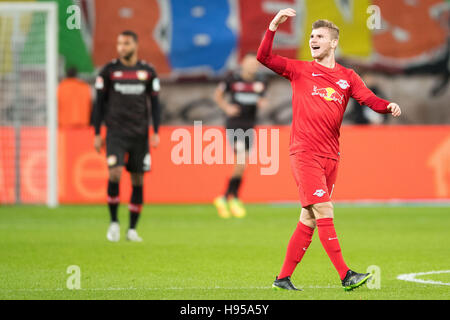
(153, 85)
(225, 84)
(102, 87)
(283, 66)
(102, 81)
(153, 88)
(366, 97)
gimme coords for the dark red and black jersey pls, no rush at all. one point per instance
(123, 95)
(245, 94)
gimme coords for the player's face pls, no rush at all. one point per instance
(249, 64)
(321, 43)
(126, 46)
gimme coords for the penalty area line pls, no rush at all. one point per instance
(411, 277)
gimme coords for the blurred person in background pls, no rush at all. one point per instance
(124, 88)
(246, 90)
(74, 101)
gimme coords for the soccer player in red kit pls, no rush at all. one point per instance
(321, 89)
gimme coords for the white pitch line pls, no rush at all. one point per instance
(412, 277)
(157, 289)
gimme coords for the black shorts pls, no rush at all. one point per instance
(132, 152)
(240, 138)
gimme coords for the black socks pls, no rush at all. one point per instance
(233, 187)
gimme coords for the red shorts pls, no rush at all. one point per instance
(315, 177)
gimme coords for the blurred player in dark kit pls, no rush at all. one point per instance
(124, 88)
(246, 90)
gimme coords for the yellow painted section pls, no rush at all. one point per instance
(355, 38)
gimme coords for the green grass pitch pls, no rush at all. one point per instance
(190, 253)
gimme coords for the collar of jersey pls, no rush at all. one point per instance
(323, 68)
(128, 67)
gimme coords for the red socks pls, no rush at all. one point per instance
(300, 241)
(327, 235)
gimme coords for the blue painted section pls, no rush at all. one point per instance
(200, 36)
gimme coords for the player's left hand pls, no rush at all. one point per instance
(394, 109)
(98, 143)
(154, 140)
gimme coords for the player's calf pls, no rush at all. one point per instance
(135, 208)
(113, 233)
(113, 200)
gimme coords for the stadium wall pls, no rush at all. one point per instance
(378, 163)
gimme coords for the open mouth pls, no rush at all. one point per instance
(315, 48)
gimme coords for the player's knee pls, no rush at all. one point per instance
(309, 222)
(307, 218)
(114, 174)
(113, 188)
(137, 179)
(323, 210)
(114, 179)
(238, 170)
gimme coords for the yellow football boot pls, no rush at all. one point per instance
(221, 205)
(237, 208)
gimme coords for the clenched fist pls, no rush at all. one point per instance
(281, 17)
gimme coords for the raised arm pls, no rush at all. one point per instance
(272, 61)
(366, 97)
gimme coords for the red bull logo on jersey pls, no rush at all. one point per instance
(319, 193)
(328, 94)
(343, 84)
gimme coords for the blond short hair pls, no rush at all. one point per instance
(322, 23)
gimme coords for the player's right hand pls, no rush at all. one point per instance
(232, 110)
(98, 143)
(154, 140)
(394, 109)
(281, 17)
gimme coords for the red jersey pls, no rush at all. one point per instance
(319, 99)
